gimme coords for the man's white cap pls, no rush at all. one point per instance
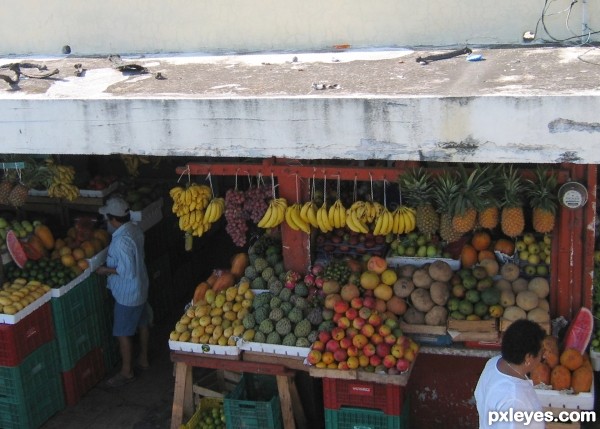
(115, 206)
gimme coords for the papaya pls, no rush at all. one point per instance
(550, 351)
(239, 262)
(200, 292)
(541, 374)
(571, 359)
(560, 378)
(581, 379)
(225, 280)
(213, 277)
(44, 234)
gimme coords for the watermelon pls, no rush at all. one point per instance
(15, 248)
(579, 331)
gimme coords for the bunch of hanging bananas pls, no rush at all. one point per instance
(362, 213)
(196, 208)
(295, 220)
(326, 218)
(323, 218)
(61, 185)
(133, 162)
(384, 222)
(275, 213)
(405, 220)
(308, 213)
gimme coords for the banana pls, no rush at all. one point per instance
(289, 220)
(264, 221)
(350, 223)
(398, 222)
(359, 223)
(175, 192)
(209, 214)
(312, 215)
(300, 223)
(389, 222)
(304, 212)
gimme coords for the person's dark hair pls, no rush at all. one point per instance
(120, 219)
(522, 337)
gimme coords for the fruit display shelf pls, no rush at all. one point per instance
(60, 291)
(12, 319)
(473, 330)
(274, 348)
(398, 261)
(204, 348)
(566, 399)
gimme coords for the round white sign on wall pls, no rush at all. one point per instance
(572, 195)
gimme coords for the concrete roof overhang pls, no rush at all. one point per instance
(516, 104)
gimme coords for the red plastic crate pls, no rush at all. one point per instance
(338, 393)
(88, 371)
(18, 340)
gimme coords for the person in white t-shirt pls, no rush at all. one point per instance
(504, 387)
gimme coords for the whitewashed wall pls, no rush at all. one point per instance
(135, 26)
(475, 129)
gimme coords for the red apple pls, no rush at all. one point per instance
(343, 322)
(402, 365)
(337, 316)
(324, 336)
(384, 330)
(345, 342)
(369, 302)
(369, 350)
(375, 360)
(360, 341)
(340, 355)
(367, 330)
(376, 338)
(351, 332)
(341, 306)
(383, 349)
(318, 345)
(343, 366)
(314, 357)
(332, 345)
(409, 355)
(358, 323)
(356, 303)
(352, 313)
(338, 333)
(352, 350)
(375, 319)
(389, 361)
(390, 339)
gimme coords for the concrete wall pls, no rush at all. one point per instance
(478, 129)
(135, 26)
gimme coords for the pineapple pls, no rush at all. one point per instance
(469, 199)
(489, 215)
(5, 187)
(543, 200)
(446, 187)
(419, 194)
(512, 219)
(31, 175)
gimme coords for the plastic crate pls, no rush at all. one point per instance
(79, 303)
(110, 352)
(19, 340)
(244, 408)
(76, 341)
(85, 375)
(338, 393)
(360, 418)
(31, 392)
(205, 404)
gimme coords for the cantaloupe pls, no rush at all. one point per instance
(527, 300)
(540, 286)
(560, 378)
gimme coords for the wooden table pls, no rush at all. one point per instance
(283, 368)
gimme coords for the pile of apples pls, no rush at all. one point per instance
(534, 254)
(363, 339)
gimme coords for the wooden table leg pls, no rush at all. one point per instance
(290, 403)
(183, 400)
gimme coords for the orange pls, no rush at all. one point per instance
(88, 249)
(481, 240)
(486, 254)
(78, 253)
(103, 236)
(83, 264)
(383, 291)
(468, 256)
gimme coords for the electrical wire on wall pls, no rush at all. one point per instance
(584, 37)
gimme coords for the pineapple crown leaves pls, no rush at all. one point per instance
(475, 189)
(541, 191)
(446, 190)
(417, 187)
(514, 188)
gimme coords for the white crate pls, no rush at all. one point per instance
(98, 193)
(566, 399)
(11, 319)
(203, 348)
(396, 261)
(595, 358)
(98, 259)
(58, 292)
(274, 348)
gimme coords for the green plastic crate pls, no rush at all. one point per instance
(76, 305)
(31, 392)
(363, 418)
(253, 404)
(77, 341)
(205, 404)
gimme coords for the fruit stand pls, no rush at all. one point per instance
(548, 285)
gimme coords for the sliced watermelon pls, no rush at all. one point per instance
(579, 331)
(15, 248)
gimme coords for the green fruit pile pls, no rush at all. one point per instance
(419, 245)
(50, 272)
(212, 418)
